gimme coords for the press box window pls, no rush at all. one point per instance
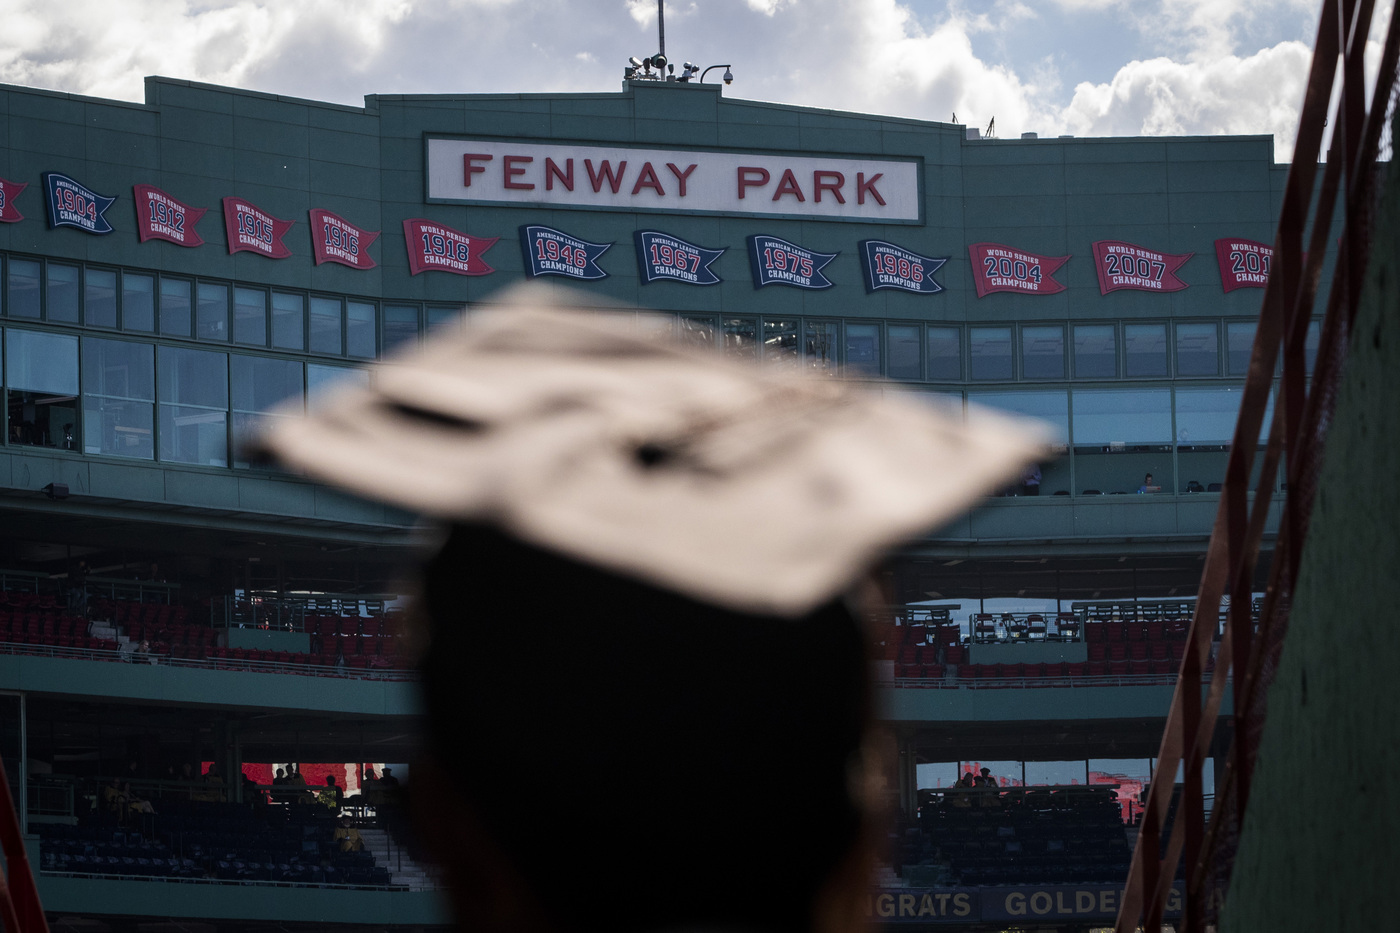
(260, 386)
(740, 339)
(1095, 351)
(325, 325)
(1145, 349)
(61, 300)
(989, 353)
(288, 321)
(400, 325)
(42, 395)
(862, 349)
(359, 329)
(904, 360)
(944, 354)
(211, 313)
(1239, 345)
(138, 302)
(22, 288)
(819, 347)
(193, 406)
(780, 345)
(100, 297)
(250, 317)
(1043, 352)
(175, 309)
(118, 398)
(1197, 350)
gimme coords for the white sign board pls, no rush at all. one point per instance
(617, 178)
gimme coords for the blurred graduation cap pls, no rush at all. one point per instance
(581, 433)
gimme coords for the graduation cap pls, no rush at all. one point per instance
(584, 434)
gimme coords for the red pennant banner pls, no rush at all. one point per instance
(1123, 265)
(8, 192)
(161, 217)
(335, 239)
(998, 268)
(253, 230)
(433, 247)
(1243, 263)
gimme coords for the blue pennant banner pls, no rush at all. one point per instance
(553, 252)
(778, 262)
(72, 205)
(664, 258)
(890, 266)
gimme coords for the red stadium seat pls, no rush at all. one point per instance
(1137, 650)
(1098, 651)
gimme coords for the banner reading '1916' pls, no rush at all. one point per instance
(1124, 265)
(998, 268)
(335, 239)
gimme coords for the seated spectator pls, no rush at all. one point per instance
(348, 836)
(332, 795)
(985, 779)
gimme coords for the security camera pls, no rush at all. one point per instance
(689, 67)
(658, 61)
(728, 76)
(636, 62)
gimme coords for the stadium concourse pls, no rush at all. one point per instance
(173, 271)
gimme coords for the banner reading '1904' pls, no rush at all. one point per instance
(72, 205)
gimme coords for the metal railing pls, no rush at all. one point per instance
(1296, 439)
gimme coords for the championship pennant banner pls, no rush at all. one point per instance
(1123, 265)
(664, 258)
(72, 205)
(255, 231)
(161, 217)
(335, 239)
(1243, 263)
(778, 262)
(998, 268)
(433, 247)
(890, 266)
(554, 252)
(8, 192)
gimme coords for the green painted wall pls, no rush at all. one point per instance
(1321, 838)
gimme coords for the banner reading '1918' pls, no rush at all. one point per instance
(335, 239)
(890, 266)
(433, 247)
(8, 192)
(256, 231)
(72, 205)
(554, 252)
(778, 262)
(998, 268)
(161, 217)
(1124, 265)
(1243, 263)
(664, 258)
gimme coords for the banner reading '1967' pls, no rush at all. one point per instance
(253, 230)
(1243, 263)
(335, 239)
(72, 205)
(998, 268)
(554, 252)
(778, 262)
(433, 247)
(161, 217)
(664, 258)
(1124, 265)
(8, 192)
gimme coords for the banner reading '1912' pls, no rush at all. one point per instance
(8, 192)
(256, 231)
(890, 266)
(664, 258)
(1243, 263)
(161, 217)
(72, 205)
(778, 262)
(553, 252)
(998, 268)
(433, 247)
(1124, 265)
(335, 239)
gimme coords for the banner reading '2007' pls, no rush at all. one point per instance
(1126, 265)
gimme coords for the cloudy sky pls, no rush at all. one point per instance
(1087, 67)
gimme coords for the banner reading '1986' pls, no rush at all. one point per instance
(998, 268)
(1124, 265)
(890, 266)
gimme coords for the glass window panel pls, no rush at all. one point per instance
(118, 427)
(322, 379)
(740, 338)
(138, 302)
(1054, 773)
(119, 368)
(62, 296)
(194, 377)
(325, 325)
(118, 388)
(1050, 408)
(1004, 773)
(250, 316)
(1043, 352)
(989, 353)
(175, 311)
(446, 317)
(1145, 349)
(863, 349)
(258, 385)
(1130, 774)
(41, 362)
(288, 321)
(1310, 345)
(42, 419)
(1239, 345)
(819, 347)
(780, 346)
(1206, 417)
(22, 294)
(936, 774)
(1127, 416)
(100, 297)
(1095, 351)
(697, 332)
(193, 409)
(944, 354)
(400, 325)
(1197, 350)
(211, 313)
(904, 352)
(359, 329)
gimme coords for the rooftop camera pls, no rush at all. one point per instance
(728, 76)
(636, 62)
(658, 61)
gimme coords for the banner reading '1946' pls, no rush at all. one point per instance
(1124, 265)
(256, 231)
(8, 192)
(664, 258)
(1243, 263)
(554, 252)
(433, 247)
(72, 205)
(161, 217)
(778, 262)
(335, 239)
(998, 268)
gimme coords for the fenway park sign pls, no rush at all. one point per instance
(603, 177)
